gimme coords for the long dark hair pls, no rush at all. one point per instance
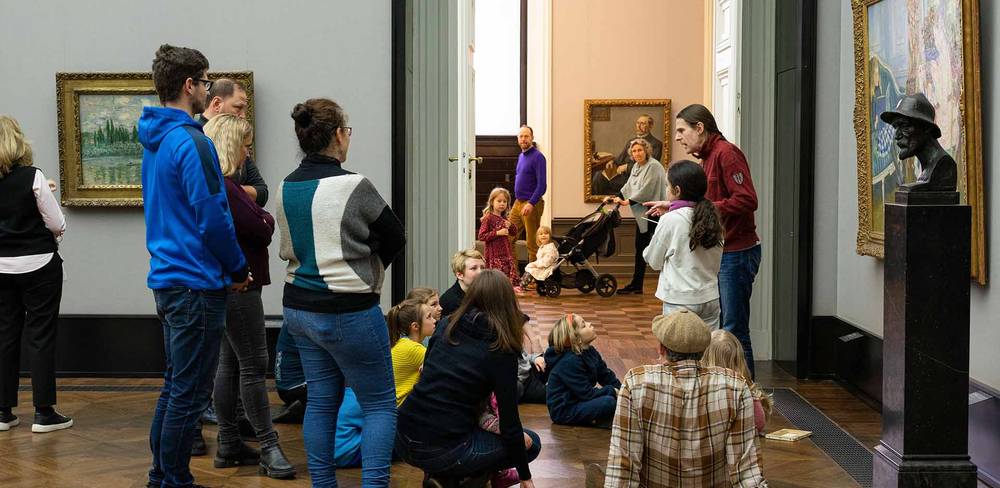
(706, 227)
(401, 317)
(493, 296)
(695, 113)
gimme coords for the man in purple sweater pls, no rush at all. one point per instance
(529, 187)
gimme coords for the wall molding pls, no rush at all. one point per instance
(852, 356)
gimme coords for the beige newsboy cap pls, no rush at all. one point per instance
(682, 331)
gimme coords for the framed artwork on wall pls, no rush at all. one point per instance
(100, 157)
(608, 127)
(902, 47)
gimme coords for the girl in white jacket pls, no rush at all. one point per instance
(687, 246)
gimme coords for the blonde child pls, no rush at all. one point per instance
(466, 265)
(494, 231)
(574, 368)
(687, 246)
(725, 351)
(410, 321)
(429, 297)
(542, 267)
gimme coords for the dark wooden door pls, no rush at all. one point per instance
(499, 155)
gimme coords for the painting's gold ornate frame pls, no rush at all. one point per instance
(871, 243)
(69, 87)
(588, 143)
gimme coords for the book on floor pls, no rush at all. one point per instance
(788, 435)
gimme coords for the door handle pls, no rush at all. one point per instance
(477, 160)
(453, 159)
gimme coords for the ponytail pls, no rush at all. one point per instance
(400, 317)
(706, 226)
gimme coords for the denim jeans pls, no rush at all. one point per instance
(736, 276)
(351, 348)
(482, 452)
(193, 323)
(588, 412)
(242, 365)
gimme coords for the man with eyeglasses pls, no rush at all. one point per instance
(226, 96)
(194, 256)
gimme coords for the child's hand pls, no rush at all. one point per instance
(503, 232)
(540, 364)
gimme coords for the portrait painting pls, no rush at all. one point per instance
(903, 47)
(610, 125)
(100, 156)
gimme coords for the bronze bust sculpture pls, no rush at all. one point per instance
(917, 135)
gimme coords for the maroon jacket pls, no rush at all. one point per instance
(731, 189)
(254, 227)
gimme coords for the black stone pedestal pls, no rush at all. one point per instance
(925, 383)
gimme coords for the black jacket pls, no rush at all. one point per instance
(451, 299)
(459, 374)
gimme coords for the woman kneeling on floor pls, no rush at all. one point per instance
(471, 356)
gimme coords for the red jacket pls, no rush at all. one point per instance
(731, 189)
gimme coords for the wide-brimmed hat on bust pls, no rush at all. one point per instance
(682, 331)
(915, 106)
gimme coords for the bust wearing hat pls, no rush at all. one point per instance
(917, 135)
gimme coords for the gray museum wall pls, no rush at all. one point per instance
(339, 50)
(847, 285)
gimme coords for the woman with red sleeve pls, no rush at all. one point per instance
(731, 189)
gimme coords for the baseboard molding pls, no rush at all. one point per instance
(117, 346)
(853, 357)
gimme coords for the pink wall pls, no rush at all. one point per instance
(617, 49)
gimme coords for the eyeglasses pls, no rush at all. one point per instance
(208, 83)
(348, 129)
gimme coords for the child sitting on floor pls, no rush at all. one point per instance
(410, 322)
(543, 265)
(574, 368)
(725, 351)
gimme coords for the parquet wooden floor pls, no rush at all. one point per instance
(108, 445)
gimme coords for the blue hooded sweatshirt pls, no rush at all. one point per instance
(189, 230)
(572, 378)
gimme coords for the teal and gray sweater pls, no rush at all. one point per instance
(338, 236)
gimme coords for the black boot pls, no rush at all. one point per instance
(198, 447)
(236, 453)
(274, 464)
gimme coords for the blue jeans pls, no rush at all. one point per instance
(193, 324)
(589, 412)
(352, 348)
(482, 452)
(739, 268)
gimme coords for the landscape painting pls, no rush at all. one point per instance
(109, 139)
(903, 47)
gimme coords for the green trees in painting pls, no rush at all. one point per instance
(111, 140)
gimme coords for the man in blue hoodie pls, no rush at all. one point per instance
(194, 255)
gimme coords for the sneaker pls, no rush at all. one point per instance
(8, 420)
(50, 422)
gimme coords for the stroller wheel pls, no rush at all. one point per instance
(585, 281)
(606, 285)
(552, 288)
(540, 287)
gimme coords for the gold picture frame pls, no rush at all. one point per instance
(958, 104)
(608, 124)
(110, 174)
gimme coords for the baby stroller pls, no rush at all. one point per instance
(593, 233)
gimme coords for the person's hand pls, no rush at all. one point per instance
(503, 232)
(527, 209)
(242, 286)
(657, 208)
(608, 199)
(527, 442)
(527, 484)
(540, 364)
(52, 185)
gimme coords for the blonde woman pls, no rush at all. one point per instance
(243, 358)
(31, 224)
(725, 351)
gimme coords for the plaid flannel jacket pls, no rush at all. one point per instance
(683, 425)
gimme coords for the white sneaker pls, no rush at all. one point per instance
(7, 423)
(50, 423)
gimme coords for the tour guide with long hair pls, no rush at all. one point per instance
(470, 356)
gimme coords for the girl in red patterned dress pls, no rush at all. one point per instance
(494, 230)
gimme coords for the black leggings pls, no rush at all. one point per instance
(642, 240)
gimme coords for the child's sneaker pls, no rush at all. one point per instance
(8, 420)
(505, 478)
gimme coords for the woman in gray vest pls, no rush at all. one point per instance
(646, 182)
(31, 224)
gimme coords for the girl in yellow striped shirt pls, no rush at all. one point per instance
(410, 321)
